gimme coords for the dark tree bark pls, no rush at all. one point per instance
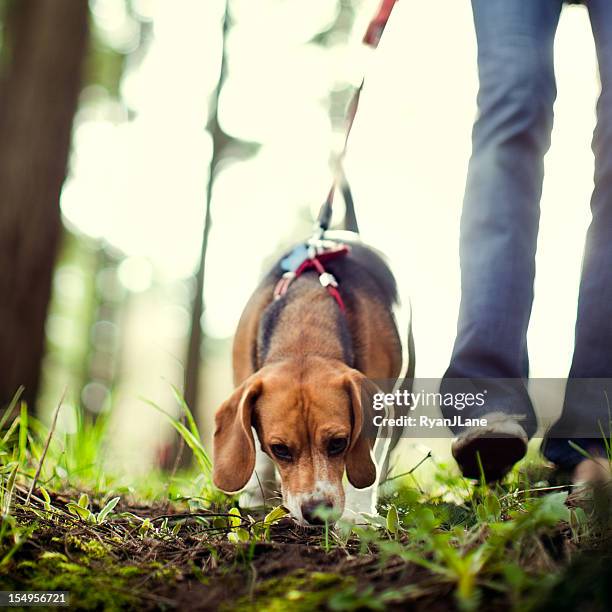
(38, 98)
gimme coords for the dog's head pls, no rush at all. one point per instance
(309, 418)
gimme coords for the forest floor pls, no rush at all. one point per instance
(516, 550)
(177, 543)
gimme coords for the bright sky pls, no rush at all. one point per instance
(140, 183)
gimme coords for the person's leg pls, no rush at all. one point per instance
(588, 396)
(500, 216)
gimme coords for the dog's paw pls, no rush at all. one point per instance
(360, 501)
(352, 517)
(252, 499)
(261, 490)
(258, 496)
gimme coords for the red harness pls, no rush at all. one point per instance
(316, 257)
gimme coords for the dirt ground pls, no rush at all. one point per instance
(136, 561)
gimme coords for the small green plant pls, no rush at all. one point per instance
(81, 509)
(392, 520)
(247, 529)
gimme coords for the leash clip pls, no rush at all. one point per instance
(327, 279)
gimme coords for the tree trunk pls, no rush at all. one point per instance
(38, 98)
(180, 456)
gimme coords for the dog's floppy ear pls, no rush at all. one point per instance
(360, 468)
(233, 443)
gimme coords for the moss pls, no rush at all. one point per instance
(88, 572)
(89, 568)
(129, 570)
(94, 549)
(301, 591)
(90, 588)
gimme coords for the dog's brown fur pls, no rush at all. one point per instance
(299, 363)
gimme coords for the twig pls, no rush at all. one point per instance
(261, 490)
(537, 490)
(427, 456)
(47, 443)
(186, 515)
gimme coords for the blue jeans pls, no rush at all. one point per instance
(500, 219)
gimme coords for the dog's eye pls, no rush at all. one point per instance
(281, 451)
(336, 445)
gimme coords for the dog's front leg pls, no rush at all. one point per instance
(360, 502)
(261, 487)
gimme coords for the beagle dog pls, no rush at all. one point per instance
(302, 357)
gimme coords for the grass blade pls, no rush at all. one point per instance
(46, 447)
(191, 439)
(23, 432)
(9, 409)
(108, 508)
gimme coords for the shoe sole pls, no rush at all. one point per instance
(497, 456)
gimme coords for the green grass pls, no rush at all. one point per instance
(121, 544)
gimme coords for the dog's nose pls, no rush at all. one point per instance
(310, 514)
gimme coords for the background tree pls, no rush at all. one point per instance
(46, 41)
(227, 146)
(240, 149)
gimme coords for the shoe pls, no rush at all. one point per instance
(499, 444)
